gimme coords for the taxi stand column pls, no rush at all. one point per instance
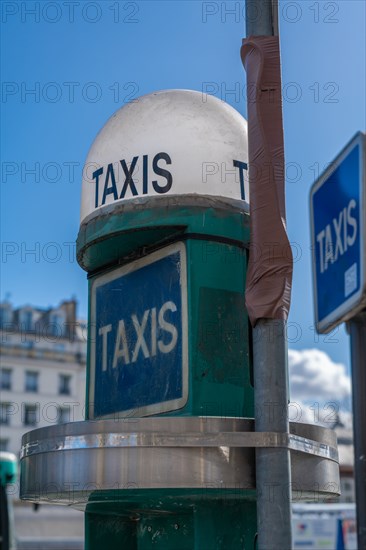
(128, 249)
(166, 455)
(219, 379)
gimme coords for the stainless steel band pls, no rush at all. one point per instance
(190, 439)
(72, 463)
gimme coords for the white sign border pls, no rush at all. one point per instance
(355, 303)
(155, 408)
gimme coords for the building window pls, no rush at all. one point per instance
(60, 347)
(5, 379)
(64, 415)
(57, 324)
(64, 384)
(5, 411)
(347, 486)
(30, 415)
(26, 320)
(4, 444)
(31, 381)
(27, 345)
(6, 315)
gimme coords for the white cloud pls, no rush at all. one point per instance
(314, 374)
(320, 387)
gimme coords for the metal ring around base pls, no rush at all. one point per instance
(158, 439)
(69, 463)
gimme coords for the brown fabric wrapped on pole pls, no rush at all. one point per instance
(269, 276)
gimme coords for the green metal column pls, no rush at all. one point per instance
(205, 525)
(220, 377)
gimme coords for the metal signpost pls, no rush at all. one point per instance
(337, 205)
(269, 280)
(338, 230)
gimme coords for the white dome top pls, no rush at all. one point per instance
(173, 142)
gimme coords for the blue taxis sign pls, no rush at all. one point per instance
(138, 345)
(337, 205)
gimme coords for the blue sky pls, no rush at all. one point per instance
(84, 60)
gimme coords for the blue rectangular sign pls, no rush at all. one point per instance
(139, 337)
(337, 204)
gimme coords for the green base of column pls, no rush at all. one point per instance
(178, 521)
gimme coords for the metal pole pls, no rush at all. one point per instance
(357, 330)
(273, 466)
(261, 18)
